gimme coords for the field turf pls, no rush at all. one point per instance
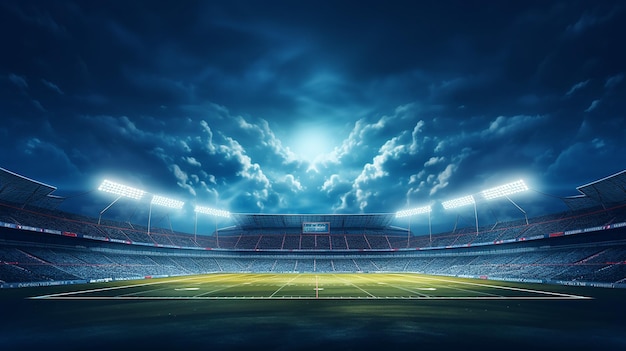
(312, 312)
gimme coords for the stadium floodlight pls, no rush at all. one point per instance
(165, 202)
(413, 211)
(121, 191)
(505, 190)
(212, 211)
(459, 202)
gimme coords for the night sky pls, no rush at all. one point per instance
(313, 106)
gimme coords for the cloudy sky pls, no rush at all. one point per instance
(313, 106)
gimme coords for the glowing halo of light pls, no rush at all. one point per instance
(108, 186)
(458, 202)
(505, 190)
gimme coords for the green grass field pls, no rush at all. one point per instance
(311, 286)
(313, 312)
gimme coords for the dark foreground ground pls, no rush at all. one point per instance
(313, 324)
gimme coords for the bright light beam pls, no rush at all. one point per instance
(118, 189)
(462, 201)
(413, 211)
(212, 211)
(459, 202)
(121, 191)
(166, 202)
(505, 190)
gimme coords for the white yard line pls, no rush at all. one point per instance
(546, 295)
(425, 298)
(507, 288)
(398, 287)
(231, 286)
(451, 287)
(219, 277)
(108, 288)
(354, 285)
(284, 285)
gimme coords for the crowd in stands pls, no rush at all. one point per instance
(348, 240)
(594, 264)
(22, 262)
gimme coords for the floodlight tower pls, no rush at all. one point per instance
(462, 201)
(211, 212)
(121, 191)
(506, 190)
(165, 202)
(416, 211)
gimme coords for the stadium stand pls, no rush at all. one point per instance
(40, 244)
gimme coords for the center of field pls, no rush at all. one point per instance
(311, 286)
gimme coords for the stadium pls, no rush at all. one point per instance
(307, 281)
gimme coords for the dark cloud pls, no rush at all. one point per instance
(312, 107)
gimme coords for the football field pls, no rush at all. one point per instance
(312, 286)
(312, 312)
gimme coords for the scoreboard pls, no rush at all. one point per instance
(316, 227)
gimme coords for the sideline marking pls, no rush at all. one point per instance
(510, 288)
(108, 288)
(72, 295)
(354, 285)
(434, 287)
(399, 287)
(279, 289)
(219, 278)
(429, 298)
(232, 285)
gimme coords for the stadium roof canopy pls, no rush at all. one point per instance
(580, 202)
(24, 191)
(606, 192)
(336, 221)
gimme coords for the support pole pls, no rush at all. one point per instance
(106, 208)
(408, 234)
(519, 208)
(430, 229)
(149, 217)
(170, 222)
(217, 238)
(476, 217)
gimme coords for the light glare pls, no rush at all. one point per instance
(122, 190)
(167, 202)
(413, 211)
(212, 211)
(461, 201)
(504, 190)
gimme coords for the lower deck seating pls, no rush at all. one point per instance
(604, 264)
